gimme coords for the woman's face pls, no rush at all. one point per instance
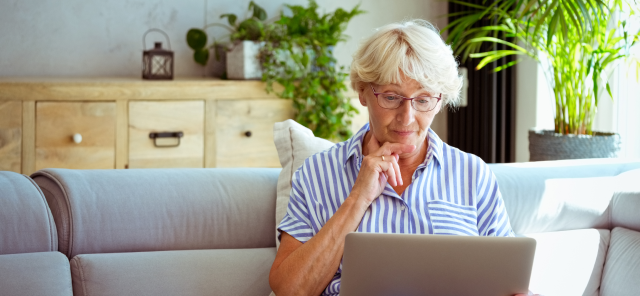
(402, 125)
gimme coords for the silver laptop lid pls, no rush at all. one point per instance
(436, 265)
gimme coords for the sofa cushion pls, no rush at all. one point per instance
(560, 195)
(294, 143)
(26, 223)
(569, 262)
(193, 272)
(625, 205)
(621, 273)
(105, 211)
(42, 273)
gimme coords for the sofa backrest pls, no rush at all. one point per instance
(625, 204)
(571, 194)
(26, 224)
(108, 211)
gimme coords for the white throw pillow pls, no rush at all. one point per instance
(294, 143)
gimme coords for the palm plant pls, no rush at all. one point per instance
(578, 43)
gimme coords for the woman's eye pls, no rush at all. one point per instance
(422, 100)
(390, 98)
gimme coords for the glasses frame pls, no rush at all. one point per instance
(404, 98)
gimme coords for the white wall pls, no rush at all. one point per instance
(91, 38)
(104, 38)
(534, 104)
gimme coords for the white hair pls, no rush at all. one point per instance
(414, 48)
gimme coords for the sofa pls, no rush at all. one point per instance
(211, 231)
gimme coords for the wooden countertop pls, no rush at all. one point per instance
(123, 88)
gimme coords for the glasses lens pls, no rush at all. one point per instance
(389, 101)
(424, 103)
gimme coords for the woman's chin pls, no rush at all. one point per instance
(410, 138)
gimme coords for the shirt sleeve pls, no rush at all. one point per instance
(493, 219)
(297, 221)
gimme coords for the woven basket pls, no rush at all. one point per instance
(549, 145)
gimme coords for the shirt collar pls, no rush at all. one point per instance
(354, 145)
(435, 147)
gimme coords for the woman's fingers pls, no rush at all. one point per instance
(390, 170)
(387, 148)
(396, 168)
(394, 148)
(392, 152)
(385, 157)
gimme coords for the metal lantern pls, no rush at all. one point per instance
(157, 63)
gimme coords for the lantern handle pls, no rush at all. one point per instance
(144, 43)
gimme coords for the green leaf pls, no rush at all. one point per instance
(552, 26)
(495, 56)
(196, 39)
(250, 29)
(201, 56)
(500, 41)
(231, 18)
(258, 12)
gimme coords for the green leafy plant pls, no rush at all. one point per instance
(252, 28)
(575, 41)
(298, 54)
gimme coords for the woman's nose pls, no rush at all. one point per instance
(406, 113)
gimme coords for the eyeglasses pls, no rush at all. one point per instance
(393, 101)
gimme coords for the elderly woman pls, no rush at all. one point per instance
(393, 176)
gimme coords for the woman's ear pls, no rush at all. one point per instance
(438, 107)
(363, 100)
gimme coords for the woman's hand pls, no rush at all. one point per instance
(379, 166)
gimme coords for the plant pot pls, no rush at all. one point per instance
(217, 67)
(549, 145)
(243, 61)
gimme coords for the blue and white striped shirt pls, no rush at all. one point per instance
(451, 192)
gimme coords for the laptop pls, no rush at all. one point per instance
(436, 265)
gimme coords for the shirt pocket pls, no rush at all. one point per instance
(453, 219)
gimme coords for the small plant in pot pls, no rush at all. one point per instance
(578, 43)
(298, 54)
(241, 58)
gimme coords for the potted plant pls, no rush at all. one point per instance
(578, 43)
(242, 57)
(298, 54)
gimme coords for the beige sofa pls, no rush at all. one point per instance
(211, 231)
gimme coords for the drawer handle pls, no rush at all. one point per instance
(155, 137)
(77, 138)
(248, 134)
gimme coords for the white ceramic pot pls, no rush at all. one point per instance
(243, 61)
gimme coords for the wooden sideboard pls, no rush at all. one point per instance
(106, 123)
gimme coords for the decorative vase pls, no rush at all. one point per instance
(243, 61)
(549, 145)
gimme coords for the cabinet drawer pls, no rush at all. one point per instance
(244, 132)
(56, 124)
(147, 117)
(10, 136)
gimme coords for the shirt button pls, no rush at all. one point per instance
(402, 208)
